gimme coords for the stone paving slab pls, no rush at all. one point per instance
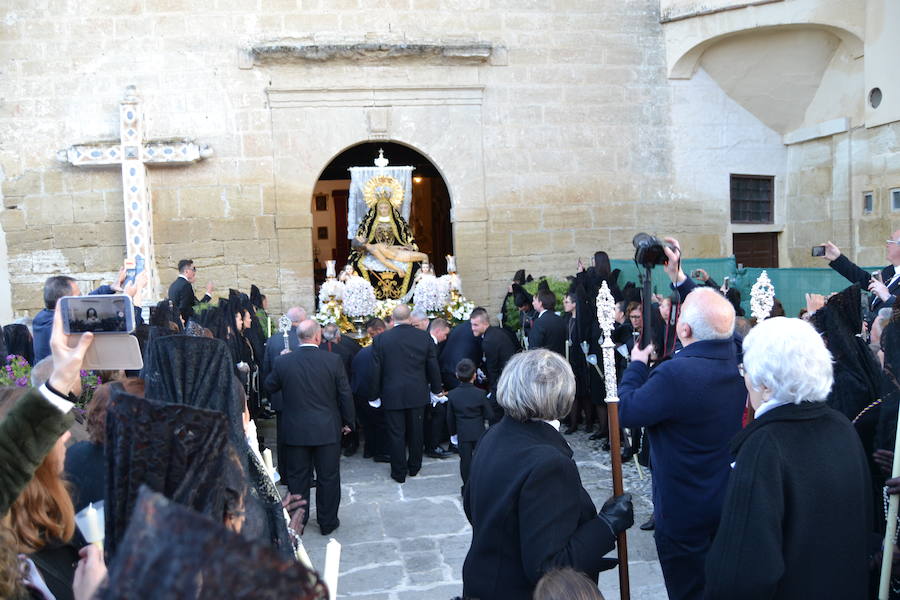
(409, 541)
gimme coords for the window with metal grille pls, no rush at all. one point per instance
(895, 199)
(868, 202)
(752, 199)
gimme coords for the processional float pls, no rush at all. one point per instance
(606, 311)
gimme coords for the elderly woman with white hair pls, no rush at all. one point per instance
(529, 511)
(797, 510)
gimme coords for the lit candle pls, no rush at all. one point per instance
(89, 522)
(332, 565)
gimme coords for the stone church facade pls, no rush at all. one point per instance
(560, 128)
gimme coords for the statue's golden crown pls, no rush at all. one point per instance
(383, 188)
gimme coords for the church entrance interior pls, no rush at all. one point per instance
(429, 216)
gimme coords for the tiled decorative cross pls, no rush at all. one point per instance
(134, 155)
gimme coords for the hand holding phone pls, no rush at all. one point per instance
(818, 250)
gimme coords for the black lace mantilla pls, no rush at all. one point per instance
(170, 551)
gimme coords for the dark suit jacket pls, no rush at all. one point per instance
(361, 375)
(274, 346)
(853, 273)
(316, 399)
(341, 350)
(548, 331)
(460, 344)
(498, 349)
(529, 513)
(691, 405)
(467, 410)
(405, 366)
(181, 293)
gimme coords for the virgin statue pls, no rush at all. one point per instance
(384, 251)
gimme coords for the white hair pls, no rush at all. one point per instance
(537, 384)
(697, 313)
(789, 357)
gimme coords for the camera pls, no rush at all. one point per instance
(649, 251)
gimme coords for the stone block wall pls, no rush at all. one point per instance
(567, 139)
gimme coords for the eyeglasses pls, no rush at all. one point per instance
(741, 370)
(895, 242)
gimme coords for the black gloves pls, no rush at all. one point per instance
(618, 513)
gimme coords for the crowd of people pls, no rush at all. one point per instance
(770, 443)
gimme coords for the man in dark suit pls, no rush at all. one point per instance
(549, 329)
(368, 407)
(461, 343)
(436, 412)
(274, 349)
(691, 406)
(498, 348)
(317, 408)
(181, 292)
(405, 366)
(467, 410)
(885, 290)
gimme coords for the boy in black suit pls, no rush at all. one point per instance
(467, 410)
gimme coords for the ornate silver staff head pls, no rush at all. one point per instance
(762, 297)
(606, 316)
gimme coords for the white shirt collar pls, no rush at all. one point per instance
(554, 423)
(769, 405)
(308, 345)
(183, 276)
(540, 314)
(434, 339)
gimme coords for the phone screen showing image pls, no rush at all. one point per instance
(818, 250)
(97, 314)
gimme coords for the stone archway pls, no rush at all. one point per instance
(429, 219)
(311, 127)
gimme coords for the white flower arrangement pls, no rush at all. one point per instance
(431, 294)
(359, 297)
(328, 313)
(460, 310)
(384, 308)
(331, 287)
(762, 297)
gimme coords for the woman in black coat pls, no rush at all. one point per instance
(524, 498)
(797, 511)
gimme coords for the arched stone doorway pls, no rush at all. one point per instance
(430, 215)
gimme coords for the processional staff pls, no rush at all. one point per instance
(762, 300)
(606, 310)
(284, 326)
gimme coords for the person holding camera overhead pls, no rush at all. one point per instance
(691, 406)
(885, 285)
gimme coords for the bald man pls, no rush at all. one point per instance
(884, 288)
(692, 407)
(316, 410)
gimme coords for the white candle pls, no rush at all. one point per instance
(332, 566)
(89, 522)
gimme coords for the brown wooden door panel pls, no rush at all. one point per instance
(756, 249)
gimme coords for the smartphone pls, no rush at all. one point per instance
(113, 313)
(818, 250)
(133, 268)
(727, 282)
(695, 274)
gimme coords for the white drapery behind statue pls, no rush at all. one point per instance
(357, 208)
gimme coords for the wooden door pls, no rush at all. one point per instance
(756, 250)
(342, 249)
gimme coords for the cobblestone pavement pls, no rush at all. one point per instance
(408, 542)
